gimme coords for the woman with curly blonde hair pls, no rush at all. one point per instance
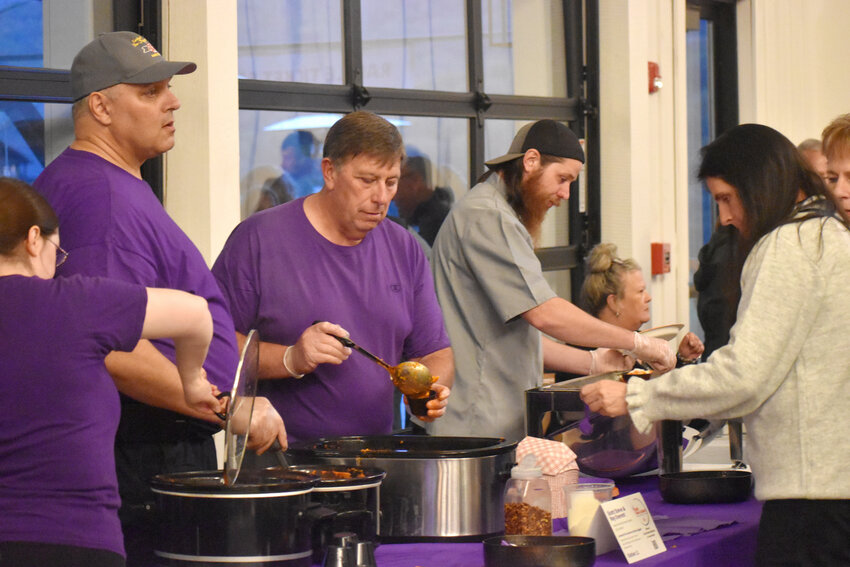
(615, 292)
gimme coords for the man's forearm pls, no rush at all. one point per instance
(564, 358)
(441, 363)
(147, 376)
(564, 321)
(271, 359)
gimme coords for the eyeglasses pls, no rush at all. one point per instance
(61, 253)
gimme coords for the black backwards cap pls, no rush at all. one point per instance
(547, 137)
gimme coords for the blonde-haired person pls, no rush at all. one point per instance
(836, 148)
(615, 292)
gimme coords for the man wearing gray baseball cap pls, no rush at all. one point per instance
(113, 226)
(121, 57)
(495, 300)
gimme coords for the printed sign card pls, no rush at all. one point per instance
(633, 527)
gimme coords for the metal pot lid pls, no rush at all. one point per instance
(404, 447)
(268, 482)
(240, 407)
(341, 476)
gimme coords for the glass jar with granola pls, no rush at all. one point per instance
(528, 502)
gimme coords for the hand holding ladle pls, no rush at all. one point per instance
(413, 379)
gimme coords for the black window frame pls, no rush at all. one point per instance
(42, 85)
(579, 108)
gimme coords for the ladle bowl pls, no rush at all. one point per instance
(413, 379)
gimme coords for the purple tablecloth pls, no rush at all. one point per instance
(730, 545)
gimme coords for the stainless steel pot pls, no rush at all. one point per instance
(436, 488)
(263, 519)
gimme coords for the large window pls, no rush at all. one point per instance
(457, 78)
(34, 38)
(38, 41)
(712, 109)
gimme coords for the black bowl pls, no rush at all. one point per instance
(705, 487)
(539, 551)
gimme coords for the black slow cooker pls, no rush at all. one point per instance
(262, 519)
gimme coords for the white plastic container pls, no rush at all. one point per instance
(585, 517)
(528, 501)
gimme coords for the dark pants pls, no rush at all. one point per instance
(804, 533)
(151, 442)
(33, 554)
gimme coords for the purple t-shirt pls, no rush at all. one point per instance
(113, 226)
(279, 275)
(61, 409)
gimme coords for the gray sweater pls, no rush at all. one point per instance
(786, 368)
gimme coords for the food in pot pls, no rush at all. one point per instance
(352, 472)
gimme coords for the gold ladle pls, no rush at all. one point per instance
(413, 379)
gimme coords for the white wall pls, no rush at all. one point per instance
(793, 74)
(644, 185)
(202, 171)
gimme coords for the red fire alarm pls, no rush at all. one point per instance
(654, 78)
(660, 258)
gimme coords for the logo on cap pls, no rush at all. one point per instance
(146, 46)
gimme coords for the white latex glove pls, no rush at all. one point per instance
(609, 360)
(655, 352)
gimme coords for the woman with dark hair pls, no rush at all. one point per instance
(58, 489)
(785, 369)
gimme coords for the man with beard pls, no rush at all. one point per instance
(495, 301)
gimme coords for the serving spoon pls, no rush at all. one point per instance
(413, 379)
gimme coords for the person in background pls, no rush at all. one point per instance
(420, 204)
(717, 284)
(812, 151)
(495, 300)
(301, 175)
(332, 257)
(58, 489)
(113, 226)
(614, 291)
(785, 369)
(836, 145)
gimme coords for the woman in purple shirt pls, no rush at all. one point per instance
(58, 490)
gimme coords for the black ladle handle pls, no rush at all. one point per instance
(220, 415)
(278, 452)
(352, 345)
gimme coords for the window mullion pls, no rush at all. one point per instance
(352, 42)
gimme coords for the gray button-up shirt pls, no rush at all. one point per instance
(486, 276)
